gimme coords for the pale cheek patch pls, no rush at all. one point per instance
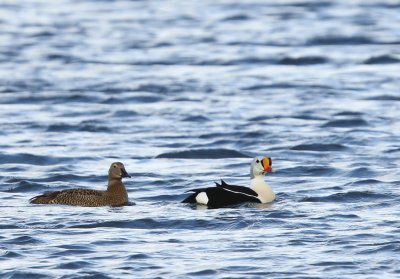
(202, 198)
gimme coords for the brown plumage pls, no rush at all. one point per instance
(115, 195)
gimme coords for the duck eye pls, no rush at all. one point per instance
(115, 166)
(258, 161)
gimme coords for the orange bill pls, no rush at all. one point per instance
(267, 164)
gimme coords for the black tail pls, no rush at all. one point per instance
(190, 199)
(223, 183)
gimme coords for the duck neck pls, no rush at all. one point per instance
(264, 191)
(116, 187)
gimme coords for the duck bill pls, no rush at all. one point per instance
(124, 173)
(267, 162)
(268, 169)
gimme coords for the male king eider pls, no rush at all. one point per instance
(115, 195)
(224, 194)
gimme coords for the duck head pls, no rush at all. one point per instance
(117, 171)
(260, 166)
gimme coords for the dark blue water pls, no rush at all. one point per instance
(185, 93)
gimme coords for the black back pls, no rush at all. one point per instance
(224, 194)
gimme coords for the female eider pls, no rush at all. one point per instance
(115, 195)
(224, 194)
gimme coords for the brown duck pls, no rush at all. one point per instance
(115, 195)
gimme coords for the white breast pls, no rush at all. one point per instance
(264, 191)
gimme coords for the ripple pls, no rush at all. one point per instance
(196, 118)
(83, 127)
(319, 147)
(348, 113)
(362, 172)
(31, 159)
(125, 113)
(303, 61)
(204, 272)
(313, 171)
(351, 196)
(23, 240)
(60, 127)
(137, 256)
(216, 135)
(393, 246)
(337, 263)
(73, 252)
(88, 274)
(74, 265)
(204, 154)
(366, 181)
(9, 226)
(237, 17)
(342, 40)
(62, 58)
(149, 98)
(393, 150)
(356, 122)
(177, 224)
(382, 59)
(25, 186)
(153, 88)
(384, 98)
(69, 177)
(94, 128)
(4, 254)
(25, 274)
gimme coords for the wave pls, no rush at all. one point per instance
(341, 216)
(22, 240)
(382, 59)
(392, 150)
(237, 17)
(82, 127)
(361, 172)
(384, 97)
(319, 147)
(299, 61)
(349, 113)
(366, 182)
(203, 273)
(125, 113)
(196, 118)
(25, 186)
(303, 61)
(150, 223)
(342, 40)
(67, 59)
(351, 196)
(392, 246)
(219, 153)
(134, 99)
(31, 159)
(356, 122)
(308, 171)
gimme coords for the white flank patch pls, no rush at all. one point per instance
(202, 198)
(240, 193)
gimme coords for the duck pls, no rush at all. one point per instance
(115, 195)
(223, 194)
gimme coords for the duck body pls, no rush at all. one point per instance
(82, 197)
(223, 194)
(115, 195)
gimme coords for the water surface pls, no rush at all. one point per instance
(185, 93)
